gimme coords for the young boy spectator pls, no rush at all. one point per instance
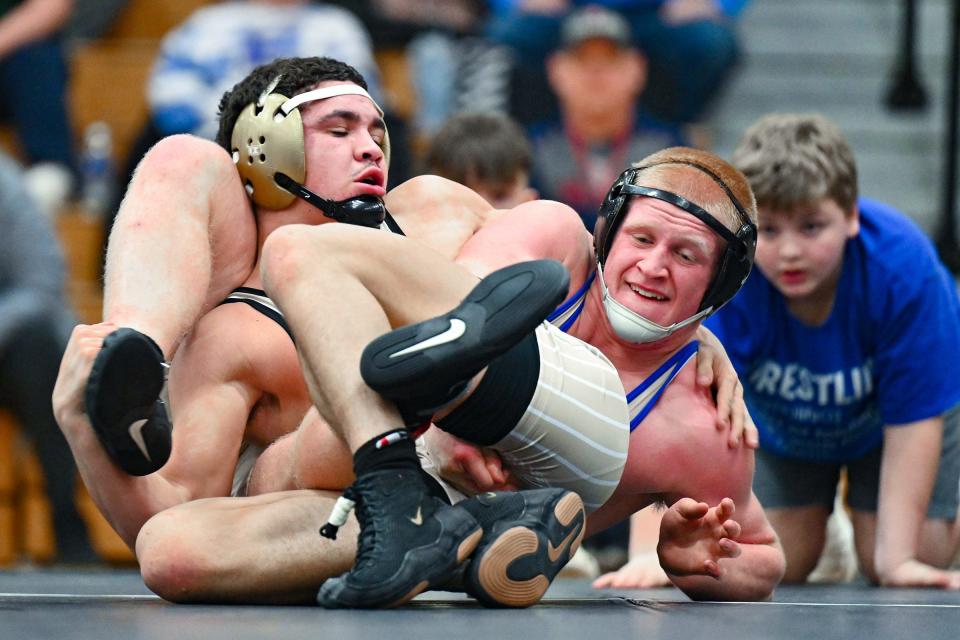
(847, 341)
(487, 152)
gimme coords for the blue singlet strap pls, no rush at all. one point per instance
(567, 313)
(649, 391)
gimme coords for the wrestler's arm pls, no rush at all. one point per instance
(715, 370)
(542, 229)
(908, 469)
(716, 542)
(207, 411)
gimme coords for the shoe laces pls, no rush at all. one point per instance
(341, 511)
(366, 512)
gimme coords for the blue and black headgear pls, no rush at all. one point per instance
(737, 259)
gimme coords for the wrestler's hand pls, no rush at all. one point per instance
(69, 405)
(694, 537)
(643, 571)
(470, 468)
(914, 573)
(714, 370)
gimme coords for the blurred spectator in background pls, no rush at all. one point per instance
(33, 90)
(438, 38)
(35, 322)
(691, 45)
(487, 152)
(92, 19)
(219, 44)
(598, 75)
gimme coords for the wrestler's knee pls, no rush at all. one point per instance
(184, 166)
(176, 561)
(183, 152)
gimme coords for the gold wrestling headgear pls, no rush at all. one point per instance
(268, 142)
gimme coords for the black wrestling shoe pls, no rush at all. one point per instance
(423, 366)
(409, 541)
(123, 402)
(528, 537)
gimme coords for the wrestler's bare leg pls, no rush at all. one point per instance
(264, 549)
(185, 236)
(312, 457)
(340, 287)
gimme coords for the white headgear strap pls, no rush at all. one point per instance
(324, 93)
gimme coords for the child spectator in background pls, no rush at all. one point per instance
(487, 152)
(847, 341)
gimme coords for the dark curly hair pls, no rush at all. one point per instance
(296, 76)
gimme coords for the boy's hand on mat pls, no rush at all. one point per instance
(914, 573)
(468, 467)
(694, 537)
(643, 571)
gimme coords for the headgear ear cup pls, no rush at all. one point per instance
(265, 142)
(608, 215)
(268, 139)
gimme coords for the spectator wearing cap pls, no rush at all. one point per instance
(597, 75)
(691, 45)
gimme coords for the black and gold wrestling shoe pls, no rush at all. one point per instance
(123, 402)
(410, 540)
(528, 537)
(423, 366)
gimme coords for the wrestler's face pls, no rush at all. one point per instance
(342, 138)
(661, 261)
(801, 251)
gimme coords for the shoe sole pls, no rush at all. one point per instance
(500, 311)
(489, 578)
(123, 388)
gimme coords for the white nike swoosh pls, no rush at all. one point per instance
(457, 328)
(136, 432)
(417, 519)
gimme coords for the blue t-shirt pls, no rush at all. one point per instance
(888, 354)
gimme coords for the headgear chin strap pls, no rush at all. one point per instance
(632, 326)
(364, 211)
(267, 145)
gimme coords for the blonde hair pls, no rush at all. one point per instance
(670, 169)
(795, 159)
